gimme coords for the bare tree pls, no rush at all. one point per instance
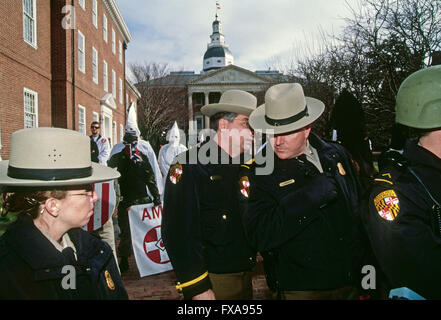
(163, 100)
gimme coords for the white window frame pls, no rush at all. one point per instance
(120, 51)
(35, 114)
(82, 124)
(81, 53)
(114, 84)
(127, 100)
(114, 133)
(95, 116)
(113, 41)
(82, 4)
(120, 91)
(105, 76)
(33, 19)
(121, 132)
(95, 13)
(105, 27)
(95, 67)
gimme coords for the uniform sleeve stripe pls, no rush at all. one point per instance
(189, 283)
(382, 180)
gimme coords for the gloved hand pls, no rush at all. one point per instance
(321, 190)
(157, 202)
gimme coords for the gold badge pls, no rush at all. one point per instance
(387, 205)
(244, 186)
(175, 173)
(286, 183)
(109, 280)
(341, 170)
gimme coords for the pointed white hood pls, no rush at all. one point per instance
(174, 137)
(132, 121)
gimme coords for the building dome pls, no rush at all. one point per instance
(217, 55)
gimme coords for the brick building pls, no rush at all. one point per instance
(62, 64)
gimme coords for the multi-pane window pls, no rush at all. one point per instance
(120, 91)
(105, 77)
(104, 27)
(30, 22)
(96, 116)
(81, 119)
(95, 13)
(114, 84)
(95, 65)
(81, 52)
(30, 109)
(120, 52)
(121, 131)
(114, 133)
(113, 41)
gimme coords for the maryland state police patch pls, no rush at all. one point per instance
(175, 173)
(387, 205)
(244, 186)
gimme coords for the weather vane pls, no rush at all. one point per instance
(218, 7)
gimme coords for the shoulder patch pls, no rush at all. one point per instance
(387, 205)
(103, 140)
(175, 173)
(244, 186)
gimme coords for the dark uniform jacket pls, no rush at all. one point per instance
(306, 246)
(201, 224)
(32, 268)
(403, 225)
(135, 176)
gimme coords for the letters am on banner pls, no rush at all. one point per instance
(145, 226)
(103, 207)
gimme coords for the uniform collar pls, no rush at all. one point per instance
(419, 155)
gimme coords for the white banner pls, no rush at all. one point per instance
(103, 207)
(145, 226)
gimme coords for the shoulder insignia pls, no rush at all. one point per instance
(341, 170)
(244, 186)
(286, 183)
(175, 173)
(387, 205)
(109, 280)
(103, 140)
(249, 162)
(383, 177)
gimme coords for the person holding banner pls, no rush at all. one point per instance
(139, 183)
(201, 224)
(45, 254)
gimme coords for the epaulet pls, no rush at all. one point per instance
(385, 178)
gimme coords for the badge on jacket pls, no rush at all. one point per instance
(175, 173)
(244, 186)
(109, 280)
(387, 205)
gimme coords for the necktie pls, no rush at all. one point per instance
(69, 254)
(306, 166)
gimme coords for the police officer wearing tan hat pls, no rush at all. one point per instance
(201, 225)
(303, 216)
(44, 254)
(403, 213)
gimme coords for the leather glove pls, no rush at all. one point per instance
(321, 190)
(157, 202)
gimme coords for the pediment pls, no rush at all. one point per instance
(108, 101)
(229, 74)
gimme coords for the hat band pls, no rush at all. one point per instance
(282, 122)
(49, 174)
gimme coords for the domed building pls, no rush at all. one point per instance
(218, 54)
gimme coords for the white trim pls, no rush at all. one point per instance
(121, 132)
(105, 30)
(113, 41)
(82, 4)
(95, 13)
(121, 91)
(95, 116)
(113, 83)
(105, 76)
(34, 43)
(117, 17)
(95, 75)
(82, 53)
(82, 108)
(114, 133)
(35, 113)
(120, 51)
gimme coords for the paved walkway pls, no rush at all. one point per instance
(162, 286)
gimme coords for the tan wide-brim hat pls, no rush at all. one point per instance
(285, 109)
(51, 157)
(236, 101)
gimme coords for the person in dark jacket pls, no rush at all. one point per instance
(303, 217)
(201, 224)
(44, 254)
(403, 212)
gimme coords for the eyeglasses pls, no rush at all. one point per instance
(87, 194)
(93, 127)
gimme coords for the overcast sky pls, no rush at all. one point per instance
(259, 32)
